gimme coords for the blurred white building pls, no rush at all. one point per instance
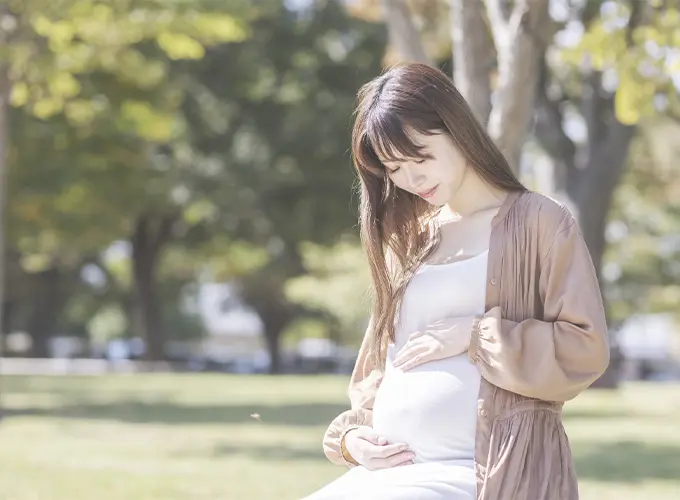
(234, 330)
(650, 344)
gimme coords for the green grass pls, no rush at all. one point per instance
(185, 437)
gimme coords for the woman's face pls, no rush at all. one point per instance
(436, 180)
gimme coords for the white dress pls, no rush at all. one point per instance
(433, 407)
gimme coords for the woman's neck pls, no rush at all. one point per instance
(473, 196)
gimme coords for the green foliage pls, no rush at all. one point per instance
(109, 323)
(644, 250)
(97, 77)
(337, 282)
(234, 116)
(304, 328)
(274, 112)
(640, 56)
(54, 49)
(179, 324)
(270, 117)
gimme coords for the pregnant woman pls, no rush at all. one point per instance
(486, 316)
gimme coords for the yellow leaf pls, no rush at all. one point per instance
(198, 211)
(34, 263)
(42, 25)
(48, 107)
(80, 111)
(102, 12)
(19, 95)
(148, 122)
(62, 33)
(180, 46)
(64, 85)
(215, 27)
(625, 102)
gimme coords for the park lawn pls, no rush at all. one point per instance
(138, 437)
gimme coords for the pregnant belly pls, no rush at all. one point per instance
(432, 408)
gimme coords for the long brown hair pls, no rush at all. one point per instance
(397, 229)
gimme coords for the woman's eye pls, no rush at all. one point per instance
(418, 162)
(393, 170)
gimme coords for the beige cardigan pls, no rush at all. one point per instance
(542, 341)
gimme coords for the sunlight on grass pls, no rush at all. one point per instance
(193, 437)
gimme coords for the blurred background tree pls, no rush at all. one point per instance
(588, 72)
(95, 76)
(642, 264)
(157, 147)
(273, 115)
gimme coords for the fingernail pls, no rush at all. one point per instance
(382, 440)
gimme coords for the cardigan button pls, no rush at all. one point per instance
(494, 282)
(483, 412)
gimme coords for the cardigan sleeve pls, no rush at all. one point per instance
(362, 389)
(555, 357)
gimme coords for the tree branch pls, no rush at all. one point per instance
(634, 20)
(597, 105)
(518, 60)
(594, 106)
(549, 128)
(5, 88)
(403, 34)
(473, 56)
(605, 167)
(165, 227)
(590, 12)
(498, 12)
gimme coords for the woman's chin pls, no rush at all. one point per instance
(436, 201)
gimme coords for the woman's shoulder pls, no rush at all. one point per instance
(539, 219)
(543, 213)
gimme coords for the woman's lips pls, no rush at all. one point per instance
(428, 194)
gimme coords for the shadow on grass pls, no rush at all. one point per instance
(169, 413)
(269, 453)
(629, 462)
(36, 385)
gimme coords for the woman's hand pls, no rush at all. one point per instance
(443, 339)
(372, 450)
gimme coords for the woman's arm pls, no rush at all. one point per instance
(555, 358)
(363, 386)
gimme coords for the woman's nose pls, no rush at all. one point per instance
(416, 179)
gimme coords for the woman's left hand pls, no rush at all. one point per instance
(443, 339)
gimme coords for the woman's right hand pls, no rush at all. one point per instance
(373, 451)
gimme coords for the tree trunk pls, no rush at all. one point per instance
(593, 200)
(521, 31)
(264, 292)
(520, 35)
(589, 174)
(49, 297)
(150, 235)
(473, 56)
(4, 154)
(276, 315)
(403, 34)
(592, 188)
(273, 337)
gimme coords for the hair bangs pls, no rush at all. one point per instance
(391, 139)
